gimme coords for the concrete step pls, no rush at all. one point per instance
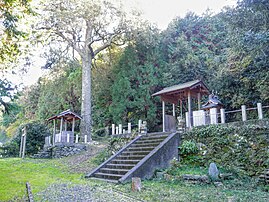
(149, 141)
(120, 166)
(145, 148)
(107, 176)
(155, 144)
(124, 161)
(135, 153)
(114, 171)
(150, 137)
(130, 157)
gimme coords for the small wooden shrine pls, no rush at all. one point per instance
(185, 92)
(66, 118)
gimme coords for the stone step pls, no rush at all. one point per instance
(107, 176)
(124, 161)
(114, 171)
(130, 157)
(135, 153)
(120, 166)
(145, 148)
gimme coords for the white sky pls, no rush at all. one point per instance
(160, 12)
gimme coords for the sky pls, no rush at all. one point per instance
(162, 12)
(159, 12)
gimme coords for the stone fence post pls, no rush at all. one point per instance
(259, 107)
(244, 112)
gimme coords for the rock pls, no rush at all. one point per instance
(231, 199)
(218, 184)
(198, 178)
(213, 171)
(167, 177)
(159, 175)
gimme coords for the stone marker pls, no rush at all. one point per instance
(136, 184)
(213, 171)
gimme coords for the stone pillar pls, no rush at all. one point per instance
(259, 107)
(49, 140)
(244, 112)
(68, 137)
(163, 116)
(117, 130)
(222, 115)
(213, 116)
(76, 138)
(123, 131)
(85, 139)
(187, 119)
(113, 129)
(120, 128)
(139, 125)
(129, 128)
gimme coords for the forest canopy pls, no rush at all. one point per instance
(228, 51)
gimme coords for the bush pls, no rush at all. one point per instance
(188, 147)
(35, 139)
(241, 149)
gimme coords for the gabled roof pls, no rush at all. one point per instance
(182, 88)
(68, 115)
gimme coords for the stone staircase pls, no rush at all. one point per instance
(139, 158)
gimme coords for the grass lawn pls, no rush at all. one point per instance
(41, 174)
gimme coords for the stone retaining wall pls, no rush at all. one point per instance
(61, 150)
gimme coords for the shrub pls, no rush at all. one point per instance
(242, 149)
(35, 139)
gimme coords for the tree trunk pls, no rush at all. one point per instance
(86, 122)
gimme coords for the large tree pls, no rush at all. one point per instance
(89, 27)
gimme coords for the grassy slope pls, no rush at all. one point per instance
(15, 172)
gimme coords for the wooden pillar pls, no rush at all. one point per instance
(21, 145)
(65, 125)
(174, 110)
(54, 132)
(189, 109)
(244, 112)
(259, 107)
(73, 126)
(61, 130)
(163, 116)
(181, 109)
(24, 142)
(199, 100)
(222, 115)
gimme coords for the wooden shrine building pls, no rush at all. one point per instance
(178, 94)
(66, 117)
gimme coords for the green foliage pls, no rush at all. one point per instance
(242, 150)
(188, 147)
(36, 133)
